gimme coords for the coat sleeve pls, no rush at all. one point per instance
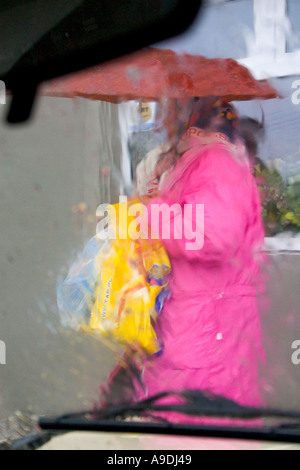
(213, 212)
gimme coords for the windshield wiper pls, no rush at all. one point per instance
(135, 418)
(195, 403)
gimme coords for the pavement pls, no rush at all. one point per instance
(49, 187)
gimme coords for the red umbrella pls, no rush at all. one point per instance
(154, 73)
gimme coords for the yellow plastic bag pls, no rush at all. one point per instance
(132, 286)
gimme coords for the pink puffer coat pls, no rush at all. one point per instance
(210, 328)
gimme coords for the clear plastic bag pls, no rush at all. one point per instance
(75, 293)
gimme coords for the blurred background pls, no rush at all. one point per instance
(75, 154)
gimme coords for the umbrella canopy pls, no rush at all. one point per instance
(154, 73)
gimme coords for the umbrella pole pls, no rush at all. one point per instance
(137, 150)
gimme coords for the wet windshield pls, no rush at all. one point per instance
(191, 280)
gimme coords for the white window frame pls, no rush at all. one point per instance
(269, 59)
(271, 27)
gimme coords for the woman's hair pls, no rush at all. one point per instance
(251, 131)
(216, 114)
(206, 113)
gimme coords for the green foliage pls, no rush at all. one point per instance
(280, 202)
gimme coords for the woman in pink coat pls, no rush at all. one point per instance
(210, 328)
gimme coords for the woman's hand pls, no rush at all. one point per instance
(145, 199)
(165, 163)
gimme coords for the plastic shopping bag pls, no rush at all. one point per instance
(133, 284)
(75, 294)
